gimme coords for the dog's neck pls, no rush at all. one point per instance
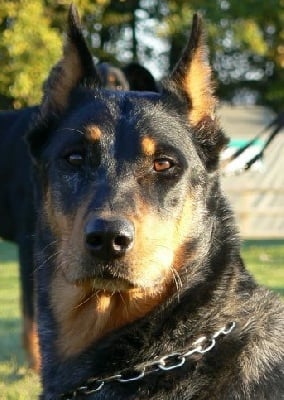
(166, 363)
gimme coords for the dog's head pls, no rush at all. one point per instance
(124, 179)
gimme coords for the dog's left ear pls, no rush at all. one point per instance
(192, 76)
(75, 68)
(191, 81)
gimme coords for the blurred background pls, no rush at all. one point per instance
(246, 42)
(246, 47)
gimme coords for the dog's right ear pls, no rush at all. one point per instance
(75, 68)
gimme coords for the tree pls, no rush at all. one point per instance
(245, 40)
(27, 50)
(31, 42)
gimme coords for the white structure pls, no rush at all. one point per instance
(257, 195)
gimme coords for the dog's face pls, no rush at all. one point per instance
(117, 199)
(124, 180)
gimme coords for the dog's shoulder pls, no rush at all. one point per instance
(264, 327)
(258, 370)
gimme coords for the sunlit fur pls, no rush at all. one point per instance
(94, 132)
(148, 145)
(31, 343)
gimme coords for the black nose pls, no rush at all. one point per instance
(109, 238)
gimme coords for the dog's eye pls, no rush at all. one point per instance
(162, 164)
(75, 159)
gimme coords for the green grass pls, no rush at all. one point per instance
(16, 381)
(264, 259)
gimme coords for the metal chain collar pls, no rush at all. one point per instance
(165, 363)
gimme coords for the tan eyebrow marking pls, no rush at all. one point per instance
(148, 145)
(94, 132)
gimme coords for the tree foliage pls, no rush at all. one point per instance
(27, 50)
(246, 41)
(31, 42)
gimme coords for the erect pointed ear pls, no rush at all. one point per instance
(76, 67)
(192, 76)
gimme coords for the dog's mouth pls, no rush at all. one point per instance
(107, 285)
(105, 282)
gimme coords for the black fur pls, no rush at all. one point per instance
(212, 288)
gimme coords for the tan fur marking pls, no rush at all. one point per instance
(199, 88)
(30, 339)
(157, 241)
(84, 318)
(94, 132)
(148, 146)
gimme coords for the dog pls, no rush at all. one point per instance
(17, 215)
(141, 290)
(112, 77)
(139, 78)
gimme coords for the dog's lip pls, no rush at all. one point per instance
(108, 284)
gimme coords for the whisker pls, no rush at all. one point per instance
(48, 245)
(177, 277)
(92, 295)
(50, 258)
(73, 130)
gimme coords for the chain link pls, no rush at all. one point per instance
(165, 363)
